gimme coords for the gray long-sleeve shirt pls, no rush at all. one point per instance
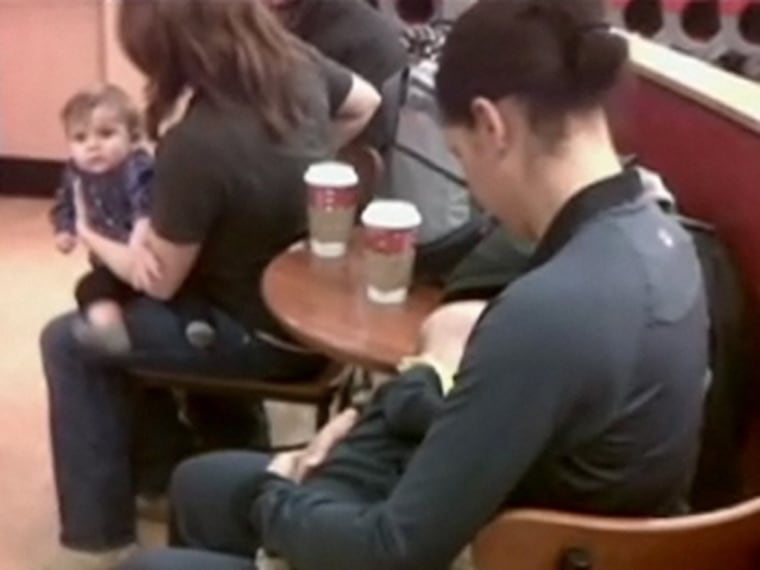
(581, 389)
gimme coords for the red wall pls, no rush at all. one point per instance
(712, 163)
(48, 50)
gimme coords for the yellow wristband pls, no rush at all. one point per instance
(445, 375)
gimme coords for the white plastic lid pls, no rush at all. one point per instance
(391, 214)
(331, 173)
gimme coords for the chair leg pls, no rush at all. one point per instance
(361, 387)
(323, 413)
(346, 392)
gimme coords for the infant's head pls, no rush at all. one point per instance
(102, 126)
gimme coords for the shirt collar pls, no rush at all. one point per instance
(101, 177)
(600, 196)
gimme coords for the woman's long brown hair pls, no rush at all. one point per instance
(224, 49)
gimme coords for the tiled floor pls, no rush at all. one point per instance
(35, 284)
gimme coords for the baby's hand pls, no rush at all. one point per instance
(65, 242)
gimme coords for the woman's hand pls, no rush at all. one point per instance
(325, 441)
(297, 465)
(285, 465)
(148, 272)
(135, 262)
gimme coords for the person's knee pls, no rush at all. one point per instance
(57, 336)
(194, 477)
(179, 559)
(162, 559)
(187, 480)
(209, 477)
(208, 499)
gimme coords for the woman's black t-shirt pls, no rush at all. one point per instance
(223, 183)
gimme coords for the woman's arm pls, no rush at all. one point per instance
(147, 262)
(484, 442)
(174, 262)
(356, 110)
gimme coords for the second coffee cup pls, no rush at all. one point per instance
(390, 238)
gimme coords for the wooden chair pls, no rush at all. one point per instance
(541, 540)
(369, 166)
(320, 391)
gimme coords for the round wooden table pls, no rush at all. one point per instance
(323, 303)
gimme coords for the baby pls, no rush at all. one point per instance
(114, 173)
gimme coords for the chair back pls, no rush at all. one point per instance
(369, 167)
(544, 540)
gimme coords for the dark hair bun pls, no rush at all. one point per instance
(600, 57)
(557, 56)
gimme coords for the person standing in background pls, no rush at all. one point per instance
(357, 36)
(351, 32)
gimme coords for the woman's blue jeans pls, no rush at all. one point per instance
(93, 412)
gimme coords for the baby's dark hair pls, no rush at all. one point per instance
(81, 105)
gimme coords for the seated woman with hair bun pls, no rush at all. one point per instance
(581, 385)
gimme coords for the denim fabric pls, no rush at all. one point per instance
(92, 411)
(176, 559)
(203, 492)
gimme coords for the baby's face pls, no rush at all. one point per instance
(101, 142)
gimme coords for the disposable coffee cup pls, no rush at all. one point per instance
(333, 198)
(390, 238)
